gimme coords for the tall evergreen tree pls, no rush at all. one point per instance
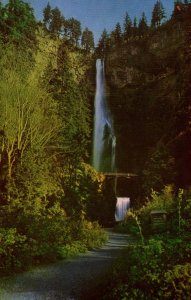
(70, 94)
(158, 14)
(47, 15)
(128, 29)
(2, 20)
(87, 40)
(143, 27)
(73, 30)
(135, 28)
(56, 21)
(117, 34)
(103, 44)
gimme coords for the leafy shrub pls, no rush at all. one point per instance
(177, 282)
(91, 234)
(70, 250)
(49, 236)
(154, 271)
(157, 201)
(159, 169)
(13, 249)
(166, 200)
(84, 235)
(127, 226)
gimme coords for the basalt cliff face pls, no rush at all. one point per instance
(147, 59)
(147, 86)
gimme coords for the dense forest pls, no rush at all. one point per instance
(52, 201)
(46, 183)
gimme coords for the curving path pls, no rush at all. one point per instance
(65, 279)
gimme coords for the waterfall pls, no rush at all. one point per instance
(122, 206)
(104, 140)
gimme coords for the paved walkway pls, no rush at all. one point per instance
(65, 279)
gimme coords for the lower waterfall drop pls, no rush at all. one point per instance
(123, 204)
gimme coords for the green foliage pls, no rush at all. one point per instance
(157, 14)
(178, 282)
(50, 235)
(103, 44)
(55, 23)
(143, 27)
(87, 41)
(47, 15)
(69, 89)
(144, 270)
(18, 24)
(163, 200)
(83, 192)
(55, 26)
(89, 235)
(159, 170)
(127, 27)
(132, 215)
(175, 206)
(25, 126)
(73, 30)
(13, 249)
(186, 212)
(46, 187)
(160, 265)
(117, 35)
(180, 221)
(53, 20)
(71, 250)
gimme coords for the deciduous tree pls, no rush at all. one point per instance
(19, 23)
(25, 110)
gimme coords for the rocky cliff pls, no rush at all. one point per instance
(145, 87)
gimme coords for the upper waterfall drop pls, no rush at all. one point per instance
(104, 140)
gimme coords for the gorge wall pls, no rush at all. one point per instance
(147, 87)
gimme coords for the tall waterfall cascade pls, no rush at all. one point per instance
(104, 140)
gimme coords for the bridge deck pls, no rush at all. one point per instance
(116, 174)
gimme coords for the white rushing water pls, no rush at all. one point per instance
(104, 141)
(123, 204)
